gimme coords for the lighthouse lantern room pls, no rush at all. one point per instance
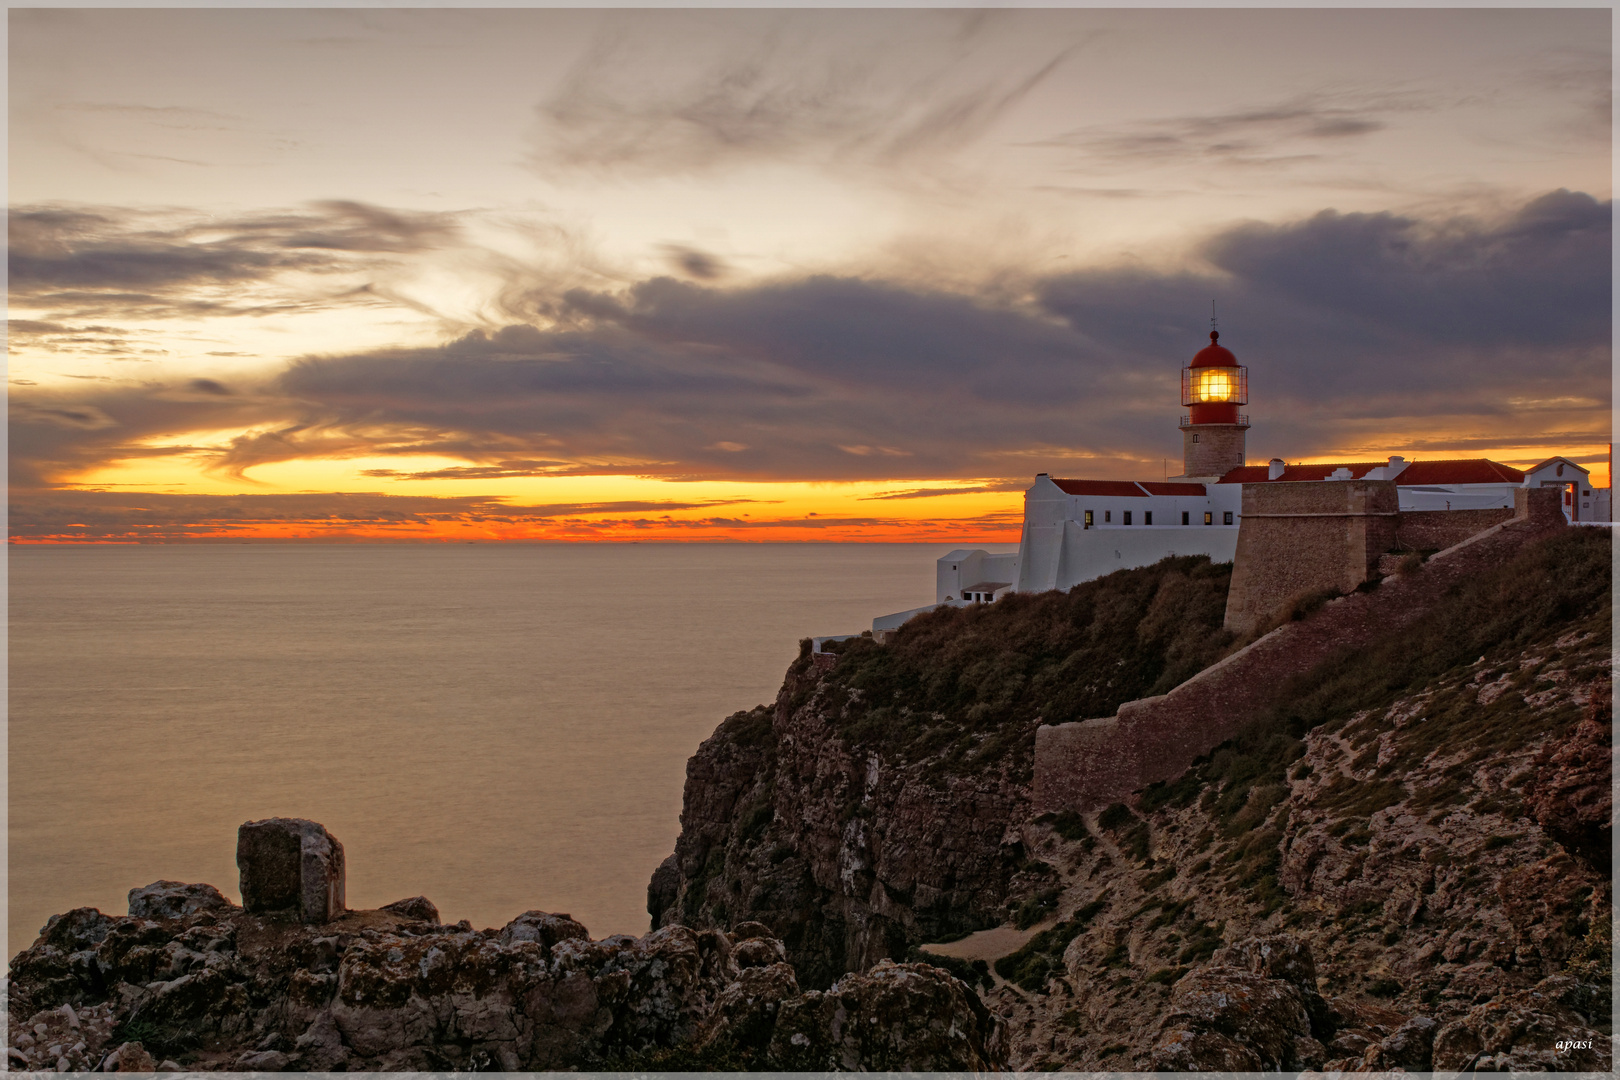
(1213, 431)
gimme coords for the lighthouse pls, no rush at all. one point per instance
(1213, 432)
(1079, 529)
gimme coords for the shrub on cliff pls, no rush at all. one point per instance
(968, 685)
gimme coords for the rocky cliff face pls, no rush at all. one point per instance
(880, 802)
(846, 856)
(196, 983)
(1403, 865)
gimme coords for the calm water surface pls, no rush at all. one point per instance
(497, 728)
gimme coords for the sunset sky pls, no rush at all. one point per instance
(442, 274)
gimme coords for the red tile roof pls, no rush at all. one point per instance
(1159, 487)
(1460, 471)
(1454, 471)
(1101, 487)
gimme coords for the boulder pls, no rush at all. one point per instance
(1289, 958)
(745, 1011)
(543, 928)
(1410, 1046)
(130, 1057)
(415, 907)
(893, 1018)
(759, 952)
(1264, 1015)
(81, 928)
(290, 865)
(1184, 1049)
(174, 900)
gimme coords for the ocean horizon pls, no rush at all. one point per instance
(499, 727)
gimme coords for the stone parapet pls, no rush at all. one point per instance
(1434, 530)
(1090, 764)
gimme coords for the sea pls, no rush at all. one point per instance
(499, 728)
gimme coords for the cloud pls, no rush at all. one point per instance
(778, 87)
(1298, 129)
(932, 492)
(1352, 325)
(81, 262)
(694, 263)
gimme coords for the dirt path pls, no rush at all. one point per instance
(989, 945)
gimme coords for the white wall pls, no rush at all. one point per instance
(1091, 553)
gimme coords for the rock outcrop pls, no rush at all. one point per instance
(201, 983)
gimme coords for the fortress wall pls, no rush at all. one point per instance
(1298, 538)
(1428, 530)
(1090, 764)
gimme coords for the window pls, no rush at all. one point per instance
(1184, 517)
(1195, 436)
(1228, 517)
(1209, 518)
(1108, 515)
(1127, 517)
(1147, 517)
(1088, 519)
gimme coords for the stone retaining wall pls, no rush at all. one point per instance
(1434, 530)
(1090, 764)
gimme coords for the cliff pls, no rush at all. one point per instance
(881, 803)
(1400, 860)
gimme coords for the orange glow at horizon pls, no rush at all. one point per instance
(606, 508)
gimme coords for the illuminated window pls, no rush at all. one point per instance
(1209, 518)
(1088, 519)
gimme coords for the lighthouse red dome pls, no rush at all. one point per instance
(1214, 355)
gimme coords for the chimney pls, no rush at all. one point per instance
(1393, 469)
(1274, 470)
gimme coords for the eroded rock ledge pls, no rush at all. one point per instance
(190, 980)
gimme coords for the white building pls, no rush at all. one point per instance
(1077, 530)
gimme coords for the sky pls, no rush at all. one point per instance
(733, 274)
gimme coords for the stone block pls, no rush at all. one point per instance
(290, 865)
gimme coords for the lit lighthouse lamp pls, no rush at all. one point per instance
(1214, 385)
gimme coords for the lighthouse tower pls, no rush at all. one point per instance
(1212, 432)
